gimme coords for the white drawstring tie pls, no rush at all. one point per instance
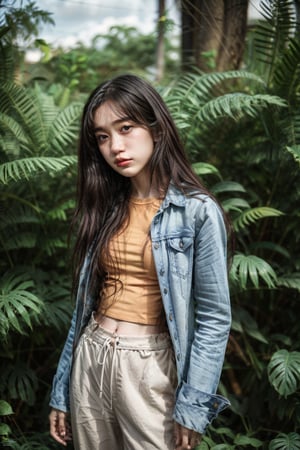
(107, 344)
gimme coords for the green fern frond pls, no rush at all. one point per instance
(22, 103)
(50, 245)
(46, 105)
(254, 214)
(271, 247)
(57, 314)
(253, 268)
(290, 280)
(18, 240)
(6, 56)
(283, 372)
(243, 322)
(202, 168)
(287, 73)
(7, 123)
(235, 204)
(194, 90)
(227, 186)
(20, 382)
(273, 33)
(18, 214)
(295, 151)
(64, 128)
(59, 213)
(283, 441)
(17, 302)
(29, 167)
(295, 119)
(237, 105)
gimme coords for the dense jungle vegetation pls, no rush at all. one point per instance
(241, 129)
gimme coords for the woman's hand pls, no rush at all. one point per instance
(59, 426)
(186, 439)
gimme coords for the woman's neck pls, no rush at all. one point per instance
(144, 189)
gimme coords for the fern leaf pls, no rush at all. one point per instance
(18, 214)
(253, 268)
(20, 382)
(237, 105)
(17, 302)
(201, 88)
(227, 186)
(254, 214)
(27, 168)
(5, 409)
(290, 441)
(59, 213)
(295, 151)
(22, 103)
(235, 204)
(272, 247)
(9, 124)
(284, 372)
(243, 322)
(202, 168)
(287, 72)
(273, 34)
(22, 239)
(63, 130)
(291, 281)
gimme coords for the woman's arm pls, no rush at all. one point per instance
(59, 398)
(197, 403)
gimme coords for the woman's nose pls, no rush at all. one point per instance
(117, 143)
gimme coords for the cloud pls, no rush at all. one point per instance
(81, 20)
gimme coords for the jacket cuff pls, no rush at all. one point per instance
(59, 397)
(195, 409)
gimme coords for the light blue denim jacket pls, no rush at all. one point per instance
(189, 249)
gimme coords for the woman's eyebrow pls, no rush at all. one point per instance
(115, 122)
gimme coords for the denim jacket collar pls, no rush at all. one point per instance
(174, 196)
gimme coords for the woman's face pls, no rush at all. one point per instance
(125, 145)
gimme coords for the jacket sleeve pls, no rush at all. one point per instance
(59, 398)
(197, 393)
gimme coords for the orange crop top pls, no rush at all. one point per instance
(139, 298)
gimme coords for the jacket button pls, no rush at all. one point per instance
(161, 272)
(215, 405)
(156, 245)
(165, 290)
(178, 356)
(170, 317)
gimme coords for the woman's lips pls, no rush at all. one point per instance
(123, 162)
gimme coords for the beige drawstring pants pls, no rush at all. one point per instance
(122, 391)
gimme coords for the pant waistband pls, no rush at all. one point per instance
(149, 342)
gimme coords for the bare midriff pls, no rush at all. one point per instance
(124, 328)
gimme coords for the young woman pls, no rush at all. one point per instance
(144, 354)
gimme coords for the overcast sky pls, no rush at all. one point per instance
(81, 20)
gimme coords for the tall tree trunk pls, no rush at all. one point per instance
(160, 57)
(234, 34)
(209, 33)
(187, 35)
(213, 33)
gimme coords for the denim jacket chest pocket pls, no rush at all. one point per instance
(180, 250)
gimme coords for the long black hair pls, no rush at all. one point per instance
(103, 194)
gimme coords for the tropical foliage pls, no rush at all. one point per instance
(246, 124)
(242, 132)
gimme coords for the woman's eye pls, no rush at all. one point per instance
(126, 128)
(101, 138)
